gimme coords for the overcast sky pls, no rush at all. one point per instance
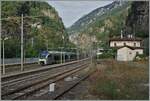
(71, 11)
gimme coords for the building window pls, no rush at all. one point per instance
(115, 44)
(130, 53)
(124, 44)
(134, 44)
(137, 53)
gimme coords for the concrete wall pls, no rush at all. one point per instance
(125, 54)
(140, 51)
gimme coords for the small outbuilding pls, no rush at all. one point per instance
(127, 53)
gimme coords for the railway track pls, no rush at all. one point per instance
(58, 97)
(33, 76)
(63, 87)
(38, 70)
(8, 91)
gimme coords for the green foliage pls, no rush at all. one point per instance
(31, 52)
(107, 54)
(140, 57)
(24, 9)
(44, 28)
(12, 48)
(142, 34)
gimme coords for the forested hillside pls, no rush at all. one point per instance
(43, 28)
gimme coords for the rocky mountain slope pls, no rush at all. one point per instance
(137, 21)
(100, 24)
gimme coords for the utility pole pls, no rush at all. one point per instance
(61, 57)
(3, 59)
(64, 50)
(91, 49)
(32, 41)
(3, 42)
(77, 53)
(22, 42)
(0, 40)
(77, 48)
(47, 45)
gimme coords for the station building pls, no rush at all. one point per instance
(127, 47)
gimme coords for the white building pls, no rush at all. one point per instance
(127, 47)
(127, 53)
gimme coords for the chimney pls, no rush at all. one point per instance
(121, 34)
(131, 36)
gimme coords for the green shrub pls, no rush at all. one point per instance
(108, 54)
(140, 57)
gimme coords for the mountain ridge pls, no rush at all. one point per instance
(94, 15)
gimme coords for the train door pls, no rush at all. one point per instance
(66, 57)
(56, 58)
(49, 59)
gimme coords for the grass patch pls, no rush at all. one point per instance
(120, 80)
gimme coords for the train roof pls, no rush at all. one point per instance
(59, 52)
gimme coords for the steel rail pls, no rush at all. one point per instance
(6, 77)
(72, 86)
(29, 77)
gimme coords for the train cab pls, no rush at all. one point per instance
(43, 57)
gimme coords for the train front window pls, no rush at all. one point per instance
(42, 56)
